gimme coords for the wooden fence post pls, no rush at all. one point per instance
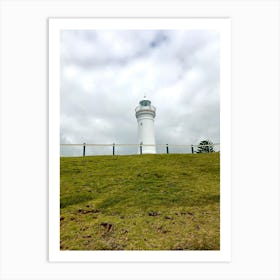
(167, 149)
(113, 149)
(192, 149)
(84, 150)
(141, 148)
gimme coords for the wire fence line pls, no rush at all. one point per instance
(88, 149)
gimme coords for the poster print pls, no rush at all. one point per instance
(138, 133)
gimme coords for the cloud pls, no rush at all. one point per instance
(104, 74)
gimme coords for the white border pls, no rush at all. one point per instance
(223, 25)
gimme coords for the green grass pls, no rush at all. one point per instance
(140, 202)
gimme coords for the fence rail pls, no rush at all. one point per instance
(120, 149)
(175, 145)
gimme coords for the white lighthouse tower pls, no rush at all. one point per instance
(145, 114)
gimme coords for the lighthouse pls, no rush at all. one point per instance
(145, 115)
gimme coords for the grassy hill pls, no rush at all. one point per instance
(140, 202)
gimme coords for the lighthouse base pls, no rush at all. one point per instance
(147, 150)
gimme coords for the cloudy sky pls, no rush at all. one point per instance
(104, 75)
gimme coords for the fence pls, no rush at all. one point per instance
(130, 149)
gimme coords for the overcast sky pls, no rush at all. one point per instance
(104, 75)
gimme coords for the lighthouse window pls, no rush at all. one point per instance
(145, 102)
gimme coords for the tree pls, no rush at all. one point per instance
(205, 146)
